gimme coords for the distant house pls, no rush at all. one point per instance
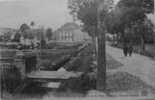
(70, 32)
(7, 32)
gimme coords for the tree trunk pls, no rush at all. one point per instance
(101, 60)
(101, 54)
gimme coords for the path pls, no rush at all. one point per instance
(138, 65)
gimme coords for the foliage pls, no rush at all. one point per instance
(49, 33)
(17, 37)
(28, 34)
(129, 20)
(144, 30)
(26, 31)
(24, 27)
(32, 23)
(147, 6)
(43, 43)
(86, 12)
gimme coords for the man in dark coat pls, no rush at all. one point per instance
(130, 49)
(125, 49)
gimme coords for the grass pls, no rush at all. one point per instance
(123, 81)
(118, 82)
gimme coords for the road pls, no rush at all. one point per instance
(139, 65)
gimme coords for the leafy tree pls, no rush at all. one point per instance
(17, 37)
(144, 32)
(29, 34)
(32, 23)
(147, 6)
(86, 12)
(127, 14)
(26, 31)
(43, 43)
(24, 27)
(49, 33)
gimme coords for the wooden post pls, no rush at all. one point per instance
(101, 53)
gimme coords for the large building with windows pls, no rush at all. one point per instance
(70, 32)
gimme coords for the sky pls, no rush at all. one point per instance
(47, 13)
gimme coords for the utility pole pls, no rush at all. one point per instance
(101, 53)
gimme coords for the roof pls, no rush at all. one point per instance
(69, 27)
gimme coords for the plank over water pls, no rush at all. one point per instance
(53, 75)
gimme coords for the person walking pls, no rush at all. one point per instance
(125, 49)
(130, 49)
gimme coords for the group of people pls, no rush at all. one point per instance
(127, 49)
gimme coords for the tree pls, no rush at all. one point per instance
(29, 34)
(49, 33)
(24, 27)
(144, 32)
(92, 17)
(43, 44)
(32, 23)
(149, 37)
(17, 37)
(42, 38)
(127, 14)
(26, 31)
(86, 12)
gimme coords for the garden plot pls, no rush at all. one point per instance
(54, 59)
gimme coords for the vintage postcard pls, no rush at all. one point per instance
(77, 49)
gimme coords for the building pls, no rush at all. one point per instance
(70, 32)
(8, 32)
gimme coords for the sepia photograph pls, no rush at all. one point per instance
(77, 50)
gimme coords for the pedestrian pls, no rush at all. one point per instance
(125, 49)
(130, 49)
